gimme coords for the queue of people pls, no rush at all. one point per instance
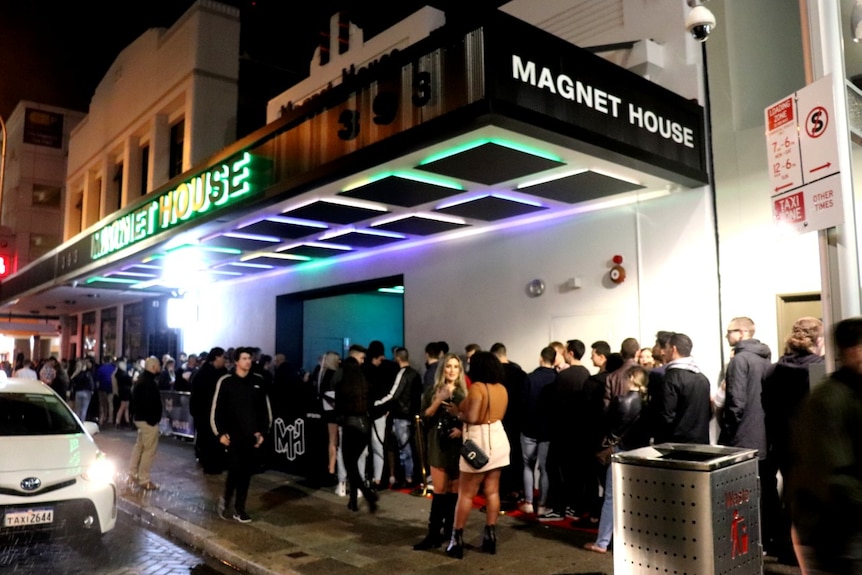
(390, 425)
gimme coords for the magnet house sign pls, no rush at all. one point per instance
(600, 100)
(221, 186)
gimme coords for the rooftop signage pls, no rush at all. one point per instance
(220, 186)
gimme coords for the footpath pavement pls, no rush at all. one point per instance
(299, 529)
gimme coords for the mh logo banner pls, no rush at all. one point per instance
(290, 438)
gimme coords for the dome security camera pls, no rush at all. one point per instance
(700, 22)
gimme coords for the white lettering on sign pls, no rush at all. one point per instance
(804, 168)
(564, 86)
(599, 100)
(220, 186)
(790, 209)
(667, 129)
(780, 114)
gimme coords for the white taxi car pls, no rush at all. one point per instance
(53, 476)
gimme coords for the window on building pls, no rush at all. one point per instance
(134, 341)
(176, 152)
(117, 188)
(109, 332)
(93, 203)
(46, 196)
(76, 218)
(41, 244)
(145, 169)
(88, 332)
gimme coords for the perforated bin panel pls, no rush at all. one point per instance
(685, 522)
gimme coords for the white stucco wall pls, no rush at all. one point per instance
(473, 289)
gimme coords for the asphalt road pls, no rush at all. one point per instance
(130, 549)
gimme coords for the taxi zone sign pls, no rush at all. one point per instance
(802, 147)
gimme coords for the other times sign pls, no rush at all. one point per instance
(802, 147)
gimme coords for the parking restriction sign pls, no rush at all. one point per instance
(802, 147)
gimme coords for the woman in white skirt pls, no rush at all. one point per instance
(482, 413)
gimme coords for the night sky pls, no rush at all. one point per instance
(57, 52)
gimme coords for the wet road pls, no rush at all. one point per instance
(130, 549)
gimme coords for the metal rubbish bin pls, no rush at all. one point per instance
(685, 509)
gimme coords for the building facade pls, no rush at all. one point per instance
(33, 182)
(401, 161)
(167, 103)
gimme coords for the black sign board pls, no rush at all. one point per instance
(577, 93)
(43, 128)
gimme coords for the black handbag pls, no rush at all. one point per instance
(474, 455)
(445, 425)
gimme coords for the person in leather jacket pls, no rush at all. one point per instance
(626, 430)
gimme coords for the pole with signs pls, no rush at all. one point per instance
(804, 171)
(839, 267)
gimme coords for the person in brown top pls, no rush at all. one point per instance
(482, 412)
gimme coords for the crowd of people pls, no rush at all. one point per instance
(547, 434)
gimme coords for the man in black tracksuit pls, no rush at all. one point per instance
(240, 418)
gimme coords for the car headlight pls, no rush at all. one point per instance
(102, 470)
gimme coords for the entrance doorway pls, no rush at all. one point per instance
(308, 324)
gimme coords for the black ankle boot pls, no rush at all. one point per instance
(489, 540)
(450, 502)
(371, 497)
(456, 544)
(431, 541)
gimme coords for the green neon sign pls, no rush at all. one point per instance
(221, 186)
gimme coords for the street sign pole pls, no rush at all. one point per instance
(839, 266)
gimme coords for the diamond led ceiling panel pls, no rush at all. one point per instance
(400, 191)
(314, 251)
(416, 226)
(581, 187)
(333, 213)
(490, 208)
(282, 228)
(358, 239)
(274, 261)
(240, 243)
(489, 163)
(247, 268)
(144, 270)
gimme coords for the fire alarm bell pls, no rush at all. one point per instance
(618, 272)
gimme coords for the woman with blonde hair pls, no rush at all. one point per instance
(443, 447)
(786, 386)
(328, 366)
